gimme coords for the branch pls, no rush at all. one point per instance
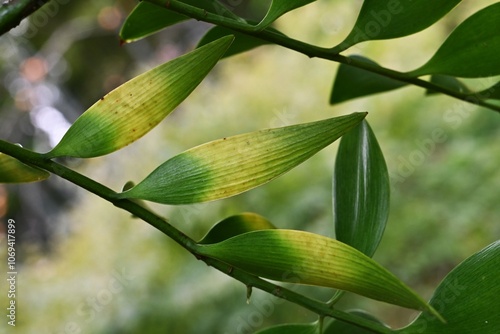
(322, 309)
(315, 51)
(12, 12)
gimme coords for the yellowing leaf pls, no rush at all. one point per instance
(14, 171)
(232, 165)
(133, 109)
(307, 258)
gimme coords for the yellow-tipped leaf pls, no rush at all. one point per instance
(307, 258)
(133, 109)
(229, 166)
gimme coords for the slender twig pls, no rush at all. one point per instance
(314, 51)
(12, 12)
(322, 309)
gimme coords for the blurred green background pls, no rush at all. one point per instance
(87, 267)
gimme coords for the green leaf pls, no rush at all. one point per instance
(471, 50)
(467, 298)
(491, 93)
(392, 19)
(341, 327)
(235, 225)
(360, 190)
(278, 8)
(229, 166)
(446, 81)
(133, 109)
(307, 258)
(311, 328)
(241, 42)
(148, 18)
(352, 82)
(14, 171)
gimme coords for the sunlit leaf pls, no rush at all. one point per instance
(307, 258)
(148, 18)
(341, 327)
(131, 110)
(446, 81)
(229, 166)
(14, 171)
(311, 328)
(278, 8)
(380, 19)
(352, 82)
(241, 42)
(471, 50)
(235, 225)
(360, 190)
(467, 298)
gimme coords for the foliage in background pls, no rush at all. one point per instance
(364, 192)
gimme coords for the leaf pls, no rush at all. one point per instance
(133, 109)
(352, 82)
(307, 258)
(341, 327)
(241, 42)
(235, 225)
(471, 50)
(278, 8)
(491, 93)
(229, 166)
(360, 190)
(148, 18)
(392, 19)
(311, 328)
(14, 171)
(446, 81)
(467, 298)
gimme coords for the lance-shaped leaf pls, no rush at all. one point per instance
(278, 8)
(306, 258)
(447, 82)
(235, 225)
(352, 82)
(148, 18)
(471, 50)
(360, 190)
(491, 93)
(241, 42)
(311, 328)
(341, 327)
(229, 166)
(387, 19)
(14, 171)
(467, 298)
(131, 110)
